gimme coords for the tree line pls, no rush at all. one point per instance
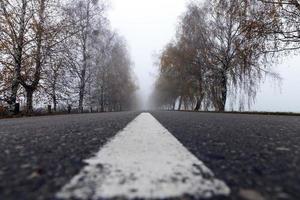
(63, 54)
(223, 51)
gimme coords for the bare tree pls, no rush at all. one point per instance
(56, 81)
(63, 52)
(193, 34)
(113, 86)
(15, 18)
(218, 54)
(84, 15)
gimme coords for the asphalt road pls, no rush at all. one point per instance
(257, 156)
(251, 153)
(41, 154)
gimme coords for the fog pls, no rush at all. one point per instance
(149, 25)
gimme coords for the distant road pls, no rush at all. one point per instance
(178, 155)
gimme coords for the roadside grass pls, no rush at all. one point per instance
(21, 115)
(44, 114)
(38, 114)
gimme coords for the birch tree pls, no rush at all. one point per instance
(220, 52)
(84, 15)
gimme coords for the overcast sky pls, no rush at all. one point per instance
(148, 25)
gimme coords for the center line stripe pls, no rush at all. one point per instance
(143, 161)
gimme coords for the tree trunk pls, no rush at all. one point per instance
(54, 102)
(85, 60)
(82, 82)
(30, 89)
(16, 80)
(222, 102)
(18, 59)
(102, 99)
(198, 104)
(81, 96)
(13, 98)
(80, 107)
(174, 105)
(29, 101)
(54, 83)
(180, 103)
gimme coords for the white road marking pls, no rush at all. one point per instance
(143, 161)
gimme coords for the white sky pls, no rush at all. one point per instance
(148, 25)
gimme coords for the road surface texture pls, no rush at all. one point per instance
(248, 152)
(40, 154)
(256, 156)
